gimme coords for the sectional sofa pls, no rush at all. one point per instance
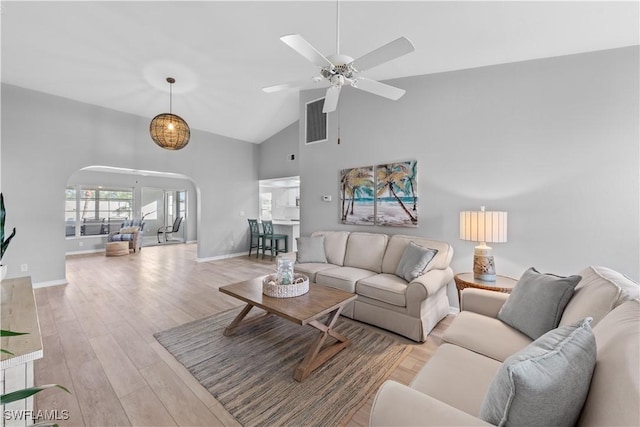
(401, 281)
(584, 372)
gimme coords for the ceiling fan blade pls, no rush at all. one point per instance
(377, 88)
(331, 99)
(318, 81)
(398, 47)
(304, 48)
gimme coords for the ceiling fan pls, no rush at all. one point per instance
(337, 70)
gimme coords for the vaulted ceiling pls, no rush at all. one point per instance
(117, 54)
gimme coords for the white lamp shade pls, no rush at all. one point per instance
(483, 226)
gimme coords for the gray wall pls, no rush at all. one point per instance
(275, 152)
(46, 139)
(554, 142)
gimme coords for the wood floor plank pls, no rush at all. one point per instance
(133, 344)
(173, 392)
(99, 403)
(145, 409)
(184, 374)
(121, 372)
(75, 344)
(53, 370)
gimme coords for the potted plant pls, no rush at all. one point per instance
(4, 243)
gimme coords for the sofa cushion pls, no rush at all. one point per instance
(614, 395)
(414, 261)
(310, 269)
(344, 278)
(311, 249)
(537, 301)
(546, 383)
(335, 245)
(387, 288)
(129, 230)
(485, 335)
(365, 251)
(600, 291)
(122, 237)
(398, 243)
(457, 376)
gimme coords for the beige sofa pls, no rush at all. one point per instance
(366, 263)
(450, 388)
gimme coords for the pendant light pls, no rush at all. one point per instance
(168, 130)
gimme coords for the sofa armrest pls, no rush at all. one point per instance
(482, 301)
(396, 404)
(424, 286)
(429, 283)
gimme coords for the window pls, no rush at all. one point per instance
(70, 210)
(93, 210)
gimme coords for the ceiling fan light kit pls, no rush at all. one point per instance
(338, 69)
(168, 130)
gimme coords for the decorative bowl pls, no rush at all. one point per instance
(271, 288)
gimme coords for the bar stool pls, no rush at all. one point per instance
(256, 238)
(270, 240)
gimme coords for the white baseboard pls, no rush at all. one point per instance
(90, 251)
(50, 283)
(215, 258)
(454, 310)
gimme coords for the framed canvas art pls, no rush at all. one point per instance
(396, 202)
(357, 191)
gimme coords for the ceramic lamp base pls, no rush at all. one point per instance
(483, 264)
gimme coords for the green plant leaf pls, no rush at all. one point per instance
(6, 333)
(24, 393)
(2, 350)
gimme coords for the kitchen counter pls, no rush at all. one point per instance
(285, 222)
(290, 228)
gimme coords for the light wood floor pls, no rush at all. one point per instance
(98, 338)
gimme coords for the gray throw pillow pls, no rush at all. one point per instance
(537, 302)
(414, 260)
(311, 249)
(546, 383)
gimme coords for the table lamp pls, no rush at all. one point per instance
(483, 226)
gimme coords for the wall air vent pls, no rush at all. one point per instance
(316, 123)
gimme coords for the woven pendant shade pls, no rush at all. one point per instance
(169, 131)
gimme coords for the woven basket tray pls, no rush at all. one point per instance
(285, 291)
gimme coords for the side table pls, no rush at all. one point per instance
(466, 280)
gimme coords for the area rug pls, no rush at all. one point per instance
(251, 373)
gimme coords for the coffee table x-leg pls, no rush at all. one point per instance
(316, 355)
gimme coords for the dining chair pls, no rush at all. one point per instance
(270, 240)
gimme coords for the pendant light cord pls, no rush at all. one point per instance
(170, 97)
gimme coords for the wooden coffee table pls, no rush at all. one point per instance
(303, 310)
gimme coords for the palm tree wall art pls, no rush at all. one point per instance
(385, 195)
(357, 196)
(396, 194)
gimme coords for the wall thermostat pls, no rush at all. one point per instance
(326, 198)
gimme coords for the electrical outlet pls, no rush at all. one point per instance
(241, 213)
(24, 267)
(80, 244)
